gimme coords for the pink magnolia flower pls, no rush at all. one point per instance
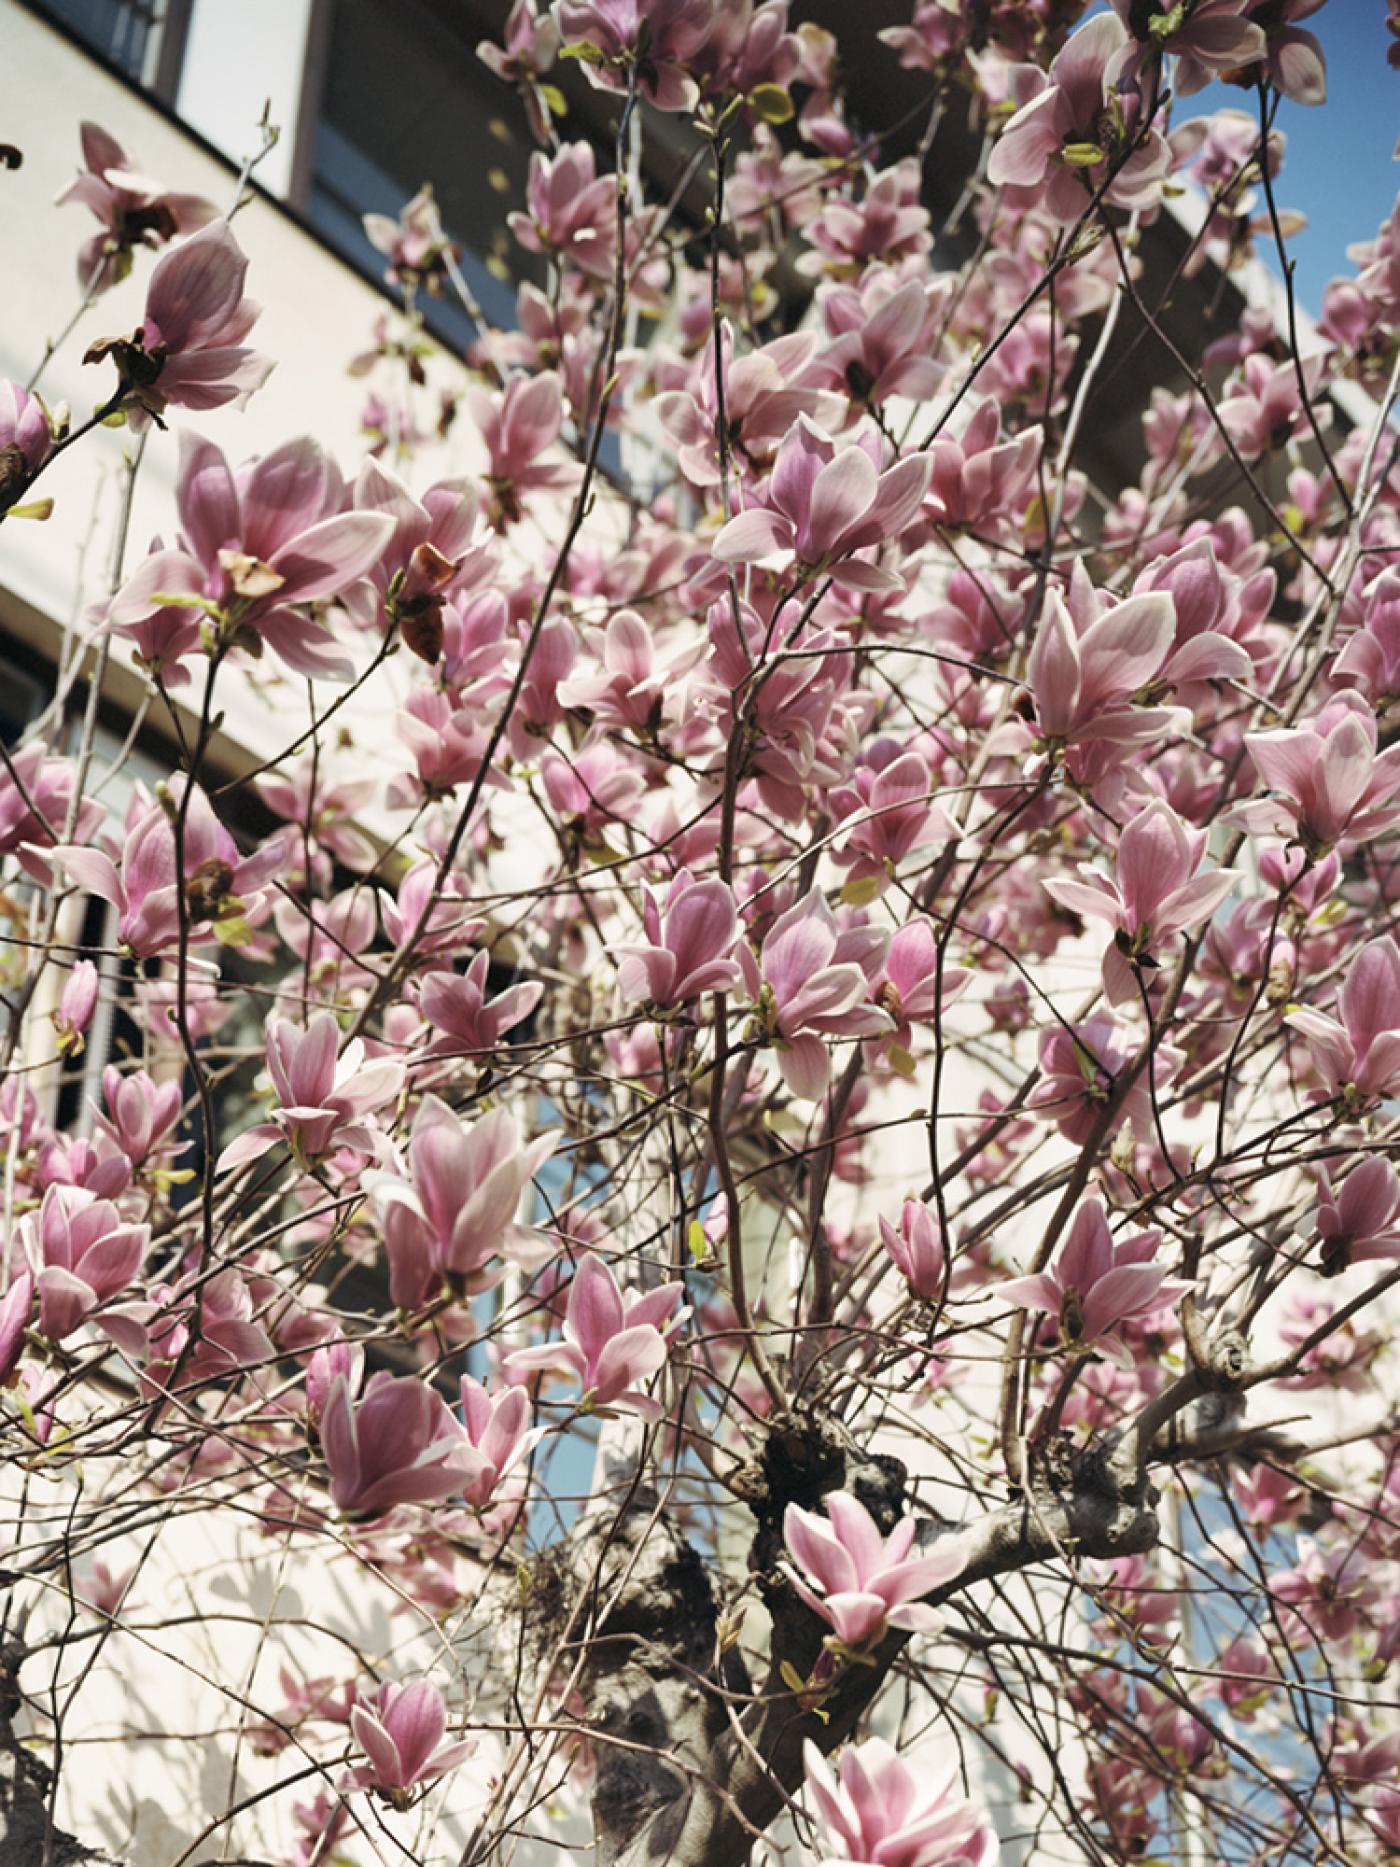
(448, 746)
(811, 983)
(256, 547)
(1358, 1055)
(322, 1094)
(1330, 1590)
(83, 1254)
(868, 1582)
(690, 946)
(794, 703)
(1248, 1677)
(888, 225)
(1097, 1284)
(397, 1444)
(328, 936)
(1359, 1220)
(1359, 1756)
(1343, 1360)
(825, 501)
(71, 1161)
(1156, 893)
(219, 884)
(882, 335)
(188, 351)
(158, 1332)
(1068, 131)
(881, 1813)
(593, 789)
(1384, 1814)
(319, 1825)
(610, 1344)
(908, 986)
(917, 1249)
(15, 1306)
(103, 1589)
(498, 1436)
(326, 809)
(767, 181)
(633, 685)
(1293, 59)
(981, 481)
(1127, 1593)
(334, 1361)
(414, 243)
(1216, 614)
(1087, 666)
(529, 44)
(1268, 1497)
(764, 393)
(32, 819)
(433, 549)
(932, 35)
(446, 925)
(456, 1005)
(1265, 406)
(749, 45)
(520, 427)
(140, 1113)
(1207, 40)
(25, 443)
(456, 1213)
(401, 1731)
(133, 210)
(303, 1700)
(76, 1004)
(655, 36)
(888, 812)
(1370, 662)
(1330, 783)
(1079, 1067)
(571, 210)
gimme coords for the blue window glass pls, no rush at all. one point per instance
(121, 32)
(405, 101)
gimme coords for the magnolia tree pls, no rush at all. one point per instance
(784, 1240)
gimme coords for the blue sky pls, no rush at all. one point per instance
(1339, 169)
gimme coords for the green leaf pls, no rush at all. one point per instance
(1161, 26)
(234, 931)
(697, 1242)
(901, 1062)
(177, 600)
(555, 101)
(581, 49)
(771, 103)
(862, 891)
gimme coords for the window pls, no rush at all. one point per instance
(404, 100)
(138, 38)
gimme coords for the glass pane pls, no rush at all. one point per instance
(441, 118)
(119, 31)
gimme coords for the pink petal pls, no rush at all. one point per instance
(753, 535)
(595, 1308)
(330, 555)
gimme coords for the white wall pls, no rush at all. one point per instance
(238, 58)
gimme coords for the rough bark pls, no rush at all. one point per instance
(717, 1769)
(26, 1781)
